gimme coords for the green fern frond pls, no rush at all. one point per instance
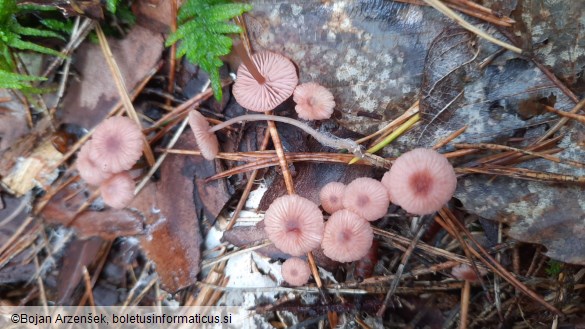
(14, 41)
(9, 80)
(203, 25)
(111, 5)
(32, 32)
(58, 25)
(11, 32)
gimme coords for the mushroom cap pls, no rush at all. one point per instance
(116, 144)
(87, 168)
(314, 102)
(347, 237)
(366, 197)
(466, 272)
(294, 224)
(387, 182)
(295, 271)
(422, 181)
(331, 196)
(206, 140)
(118, 190)
(281, 80)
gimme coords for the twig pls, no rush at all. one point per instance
(522, 173)
(405, 257)
(438, 5)
(86, 26)
(465, 291)
(162, 157)
(208, 263)
(449, 138)
(569, 115)
(88, 287)
(467, 7)
(490, 262)
(248, 187)
(172, 52)
(390, 138)
(513, 149)
(412, 110)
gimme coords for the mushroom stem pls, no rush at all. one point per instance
(324, 139)
(245, 57)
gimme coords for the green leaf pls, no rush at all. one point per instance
(203, 25)
(111, 5)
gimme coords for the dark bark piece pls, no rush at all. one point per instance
(63, 206)
(108, 224)
(173, 240)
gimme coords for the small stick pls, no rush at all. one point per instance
(172, 53)
(161, 158)
(248, 188)
(414, 108)
(514, 149)
(438, 5)
(210, 262)
(522, 173)
(496, 267)
(405, 257)
(465, 292)
(388, 139)
(88, 286)
(450, 138)
(569, 115)
(288, 180)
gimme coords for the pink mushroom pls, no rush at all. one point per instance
(276, 83)
(366, 197)
(206, 140)
(314, 102)
(347, 237)
(87, 168)
(466, 272)
(118, 191)
(116, 144)
(421, 181)
(294, 224)
(295, 271)
(331, 196)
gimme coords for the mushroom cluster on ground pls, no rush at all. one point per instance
(420, 181)
(104, 160)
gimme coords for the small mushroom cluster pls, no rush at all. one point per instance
(105, 159)
(420, 181)
(265, 80)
